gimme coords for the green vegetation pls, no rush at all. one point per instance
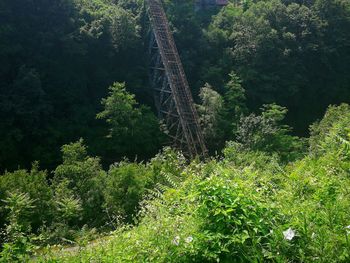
(276, 185)
(249, 206)
(59, 58)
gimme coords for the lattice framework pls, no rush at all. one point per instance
(172, 93)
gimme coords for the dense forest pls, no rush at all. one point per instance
(59, 58)
(84, 157)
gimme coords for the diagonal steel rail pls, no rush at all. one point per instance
(172, 93)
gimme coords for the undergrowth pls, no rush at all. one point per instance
(246, 207)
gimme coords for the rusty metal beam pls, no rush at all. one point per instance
(173, 97)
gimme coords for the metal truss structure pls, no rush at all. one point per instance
(173, 97)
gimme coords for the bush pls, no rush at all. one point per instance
(17, 243)
(332, 131)
(84, 179)
(126, 186)
(237, 225)
(33, 184)
(267, 133)
(167, 168)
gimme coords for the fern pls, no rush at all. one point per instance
(345, 143)
(170, 181)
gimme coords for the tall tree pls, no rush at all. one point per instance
(133, 129)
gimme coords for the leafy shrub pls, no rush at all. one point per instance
(267, 133)
(240, 156)
(84, 180)
(315, 199)
(17, 242)
(67, 206)
(167, 171)
(33, 184)
(236, 225)
(210, 113)
(332, 131)
(132, 127)
(67, 213)
(126, 185)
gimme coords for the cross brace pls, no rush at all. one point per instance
(172, 93)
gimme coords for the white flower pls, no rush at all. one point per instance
(313, 235)
(189, 239)
(347, 230)
(289, 234)
(176, 241)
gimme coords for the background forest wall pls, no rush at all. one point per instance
(59, 58)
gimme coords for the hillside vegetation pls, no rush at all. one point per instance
(85, 174)
(249, 206)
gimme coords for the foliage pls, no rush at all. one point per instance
(290, 52)
(248, 206)
(234, 105)
(17, 243)
(105, 18)
(220, 114)
(332, 128)
(286, 52)
(33, 185)
(79, 179)
(234, 97)
(237, 225)
(210, 111)
(229, 211)
(267, 133)
(58, 60)
(265, 200)
(132, 128)
(68, 207)
(126, 186)
(119, 110)
(167, 168)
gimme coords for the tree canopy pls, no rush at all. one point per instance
(59, 58)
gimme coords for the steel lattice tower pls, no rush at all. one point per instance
(172, 93)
